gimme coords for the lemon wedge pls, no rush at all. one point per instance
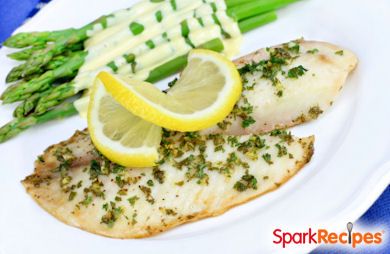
(118, 134)
(205, 94)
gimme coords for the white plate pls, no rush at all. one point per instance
(349, 170)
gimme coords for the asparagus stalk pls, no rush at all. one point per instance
(254, 8)
(24, 108)
(54, 97)
(44, 81)
(22, 40)
(231, 3)
(18, 125)
(27, 53)
(17, 72)
(251, 23)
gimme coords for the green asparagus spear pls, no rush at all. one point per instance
(57, 61)
(251, 23)
(254, 8)
(44, 81)
(27, 53)
(18, 125)
(25, 108)
(17, 72)
(231, 3)
(22, 40)
(173, 66)
(54, 97)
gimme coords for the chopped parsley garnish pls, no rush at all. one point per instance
(159, 175)
(112, 215)
(247, 182)
(312, 51)
(339, 52)
(267, 158)
(132, 200)
(150, 183)
(314, 112)
(248, 121)
(72, 195)
(296, 72)
(282, 150)
(148, 193)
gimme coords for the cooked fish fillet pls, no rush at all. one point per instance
(197, 177)
(287, 85)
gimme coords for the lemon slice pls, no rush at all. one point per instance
(118, 134)
(204, 95)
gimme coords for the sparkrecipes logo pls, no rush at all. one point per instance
(324, 236)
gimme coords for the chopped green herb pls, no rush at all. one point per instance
(159, 175)
(173, 4)
(40, 159)
(339, 52)
(247, 182)
(165, 36)
(150, 44)
(282, 150)
(296, 72)
(181, 183)
(148, 193)
(313, 51)
(113, 66)
(72, 195)
(136, 28)
(94, 169)
(267, 158)
(247, 122)
(168, 211)
(112, 215)
(200, 21)
(117, 169)
(129, 58)
(132, 200)
(150, 183)
(213, 7)
(86, 201)
(159, 16)
(314, 112)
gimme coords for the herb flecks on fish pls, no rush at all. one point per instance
(274, 68)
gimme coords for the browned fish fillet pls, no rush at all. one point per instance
(287, 85)
(197, 177)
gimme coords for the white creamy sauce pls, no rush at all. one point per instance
(112, 43)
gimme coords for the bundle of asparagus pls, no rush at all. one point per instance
(46, 85)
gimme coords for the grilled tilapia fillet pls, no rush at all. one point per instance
(287, 85)
(198, 176)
